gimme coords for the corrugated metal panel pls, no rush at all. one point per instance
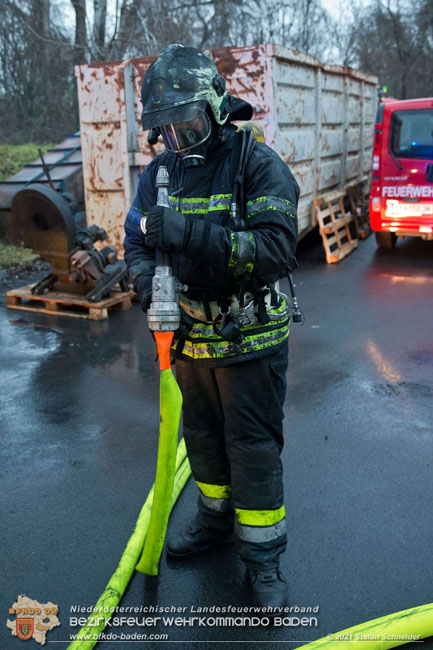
(324, 121)
(319, 118)
(65, 161)
(101, 98)
(66, 171)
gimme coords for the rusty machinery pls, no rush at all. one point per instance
(47, 222)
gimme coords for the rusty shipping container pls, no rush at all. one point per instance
(319, 118)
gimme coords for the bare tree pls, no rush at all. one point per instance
(99, 23)
(390, 45)
(390, 38)
(80, 31)
(343, 34)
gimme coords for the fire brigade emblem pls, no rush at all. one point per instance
(34, 620)
(25, 627)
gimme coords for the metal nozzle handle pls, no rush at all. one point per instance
(162, 178)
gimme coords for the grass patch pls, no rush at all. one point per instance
(10, 254)
(14, 156)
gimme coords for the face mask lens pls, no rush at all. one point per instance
(183, 136)
(191, 136)
(169, 137)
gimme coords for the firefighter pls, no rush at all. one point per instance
(231, 352)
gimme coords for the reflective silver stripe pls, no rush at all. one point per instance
(220, 505)
(260, 534)
(222, 203)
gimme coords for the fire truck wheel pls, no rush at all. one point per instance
(385, 239)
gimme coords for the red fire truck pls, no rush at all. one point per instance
(401, 198)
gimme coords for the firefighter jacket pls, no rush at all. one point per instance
(224, 254)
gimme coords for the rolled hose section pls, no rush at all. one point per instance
(388, 631)
(88, 636)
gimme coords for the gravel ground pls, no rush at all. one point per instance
(21, 274)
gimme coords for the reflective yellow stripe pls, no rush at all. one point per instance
(215, 491)
(234, 253)
(259, 517)
(210, 349)
(220, 196)
(192, 199)
(194, 211)
(201, 204)
(263, 203)
(212, 199)
(198, 333)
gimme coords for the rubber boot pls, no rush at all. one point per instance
(196, 539)
(269, 588)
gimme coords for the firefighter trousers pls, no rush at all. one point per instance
(232, 424)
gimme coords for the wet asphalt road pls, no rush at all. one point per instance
(79, 414)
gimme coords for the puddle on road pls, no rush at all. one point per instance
(21, 354)
(411, 389)
(421, 357)
(22, 321)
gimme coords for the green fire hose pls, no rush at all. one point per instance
(382, 633)
(170, 411)
(88, 636)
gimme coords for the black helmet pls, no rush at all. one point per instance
(178, 87)
(181, 91)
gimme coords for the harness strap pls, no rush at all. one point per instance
(274, 295)
(263, 315)
(224, 304)
(207, 310)
(241, 151)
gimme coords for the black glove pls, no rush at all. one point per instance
(143, 287)
(167, 230)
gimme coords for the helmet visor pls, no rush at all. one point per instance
(184, 136)
(184, 109)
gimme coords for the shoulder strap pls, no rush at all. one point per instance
(244, 143)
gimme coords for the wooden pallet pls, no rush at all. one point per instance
(334, 226)
(67, 304)
(356, 201)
